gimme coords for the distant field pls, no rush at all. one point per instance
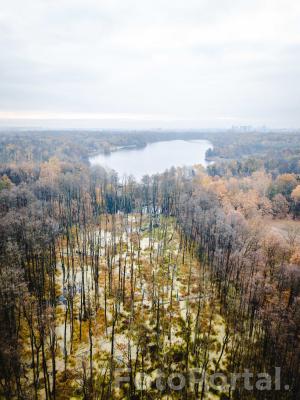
(289, 229)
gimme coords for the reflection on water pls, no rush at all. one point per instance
(155, 157)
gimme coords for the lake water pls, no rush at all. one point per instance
(155, 157)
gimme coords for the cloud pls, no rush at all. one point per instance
(218, 61)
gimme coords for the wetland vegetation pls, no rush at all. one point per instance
(188, 269)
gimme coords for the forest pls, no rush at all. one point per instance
(189, 270)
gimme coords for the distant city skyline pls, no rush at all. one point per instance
(119, 122)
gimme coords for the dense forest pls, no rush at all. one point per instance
(116, 289)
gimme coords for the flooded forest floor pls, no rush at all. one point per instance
(131, 295)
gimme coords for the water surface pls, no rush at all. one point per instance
(155, 157)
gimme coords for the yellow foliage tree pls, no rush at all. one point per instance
(296, 194)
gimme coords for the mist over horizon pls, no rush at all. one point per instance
(134, 125)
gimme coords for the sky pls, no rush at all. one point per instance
(150, 64)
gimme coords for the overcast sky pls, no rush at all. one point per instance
(154, 63)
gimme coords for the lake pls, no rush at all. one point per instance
(155, 157)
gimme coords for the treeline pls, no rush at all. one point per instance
(40, 146)
(234, 153)
(238, 154)
(233, 145)
(245, 167)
